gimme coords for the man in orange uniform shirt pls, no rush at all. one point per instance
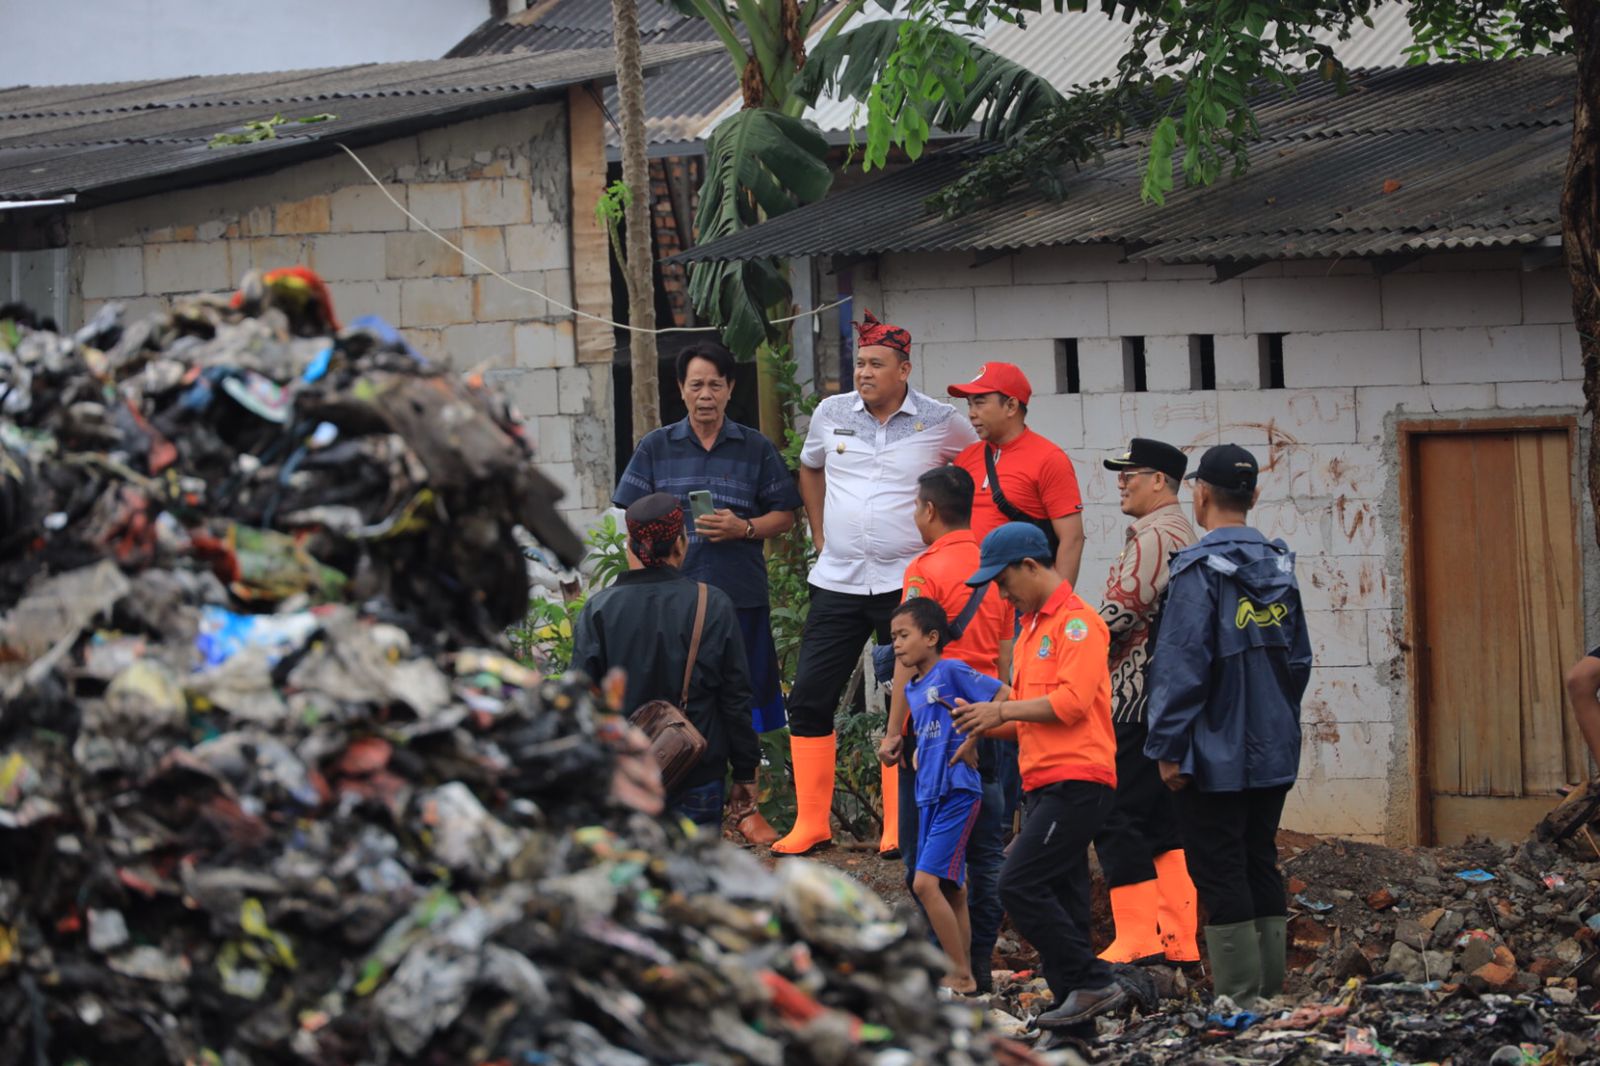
(944, 520)
(1060, 714)
(1021, 476)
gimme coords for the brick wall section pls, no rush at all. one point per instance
(1463, 333)
(499, 188)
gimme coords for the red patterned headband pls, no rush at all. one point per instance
(651, 542)
(872, 332)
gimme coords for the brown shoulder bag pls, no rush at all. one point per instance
(674, 741)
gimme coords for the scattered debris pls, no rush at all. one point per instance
(1429, 968)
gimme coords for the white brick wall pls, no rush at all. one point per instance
(1412, 301)
(1166, 361)
(113, 272)
(1157, 308)
(1100, 366)
(944, 314)
(1342, 357)
(1296, 305)
(1454, 335)
(1494, 353)
(473, 182)
(945, 364)
(1023, 312)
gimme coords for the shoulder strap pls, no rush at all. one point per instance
(694, 642)
(1007, 508)
(1011, 510)
(959, 626)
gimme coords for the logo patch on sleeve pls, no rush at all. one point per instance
(1077, 629)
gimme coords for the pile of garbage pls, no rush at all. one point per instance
(270, 789)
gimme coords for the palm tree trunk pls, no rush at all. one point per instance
(1580, 217)
(638, 269)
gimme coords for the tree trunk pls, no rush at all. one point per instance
(639, 269)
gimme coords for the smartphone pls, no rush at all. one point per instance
(700, 503)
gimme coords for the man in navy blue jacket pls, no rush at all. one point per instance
(1229, 667)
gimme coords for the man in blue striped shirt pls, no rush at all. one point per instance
(755, 498)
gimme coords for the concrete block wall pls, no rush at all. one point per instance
(1452, 334)
(497, 188)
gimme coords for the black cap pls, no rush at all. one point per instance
(1228, 466)
(1152, 454)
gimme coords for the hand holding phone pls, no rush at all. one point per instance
(700, 504)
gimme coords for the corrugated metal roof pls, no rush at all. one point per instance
(105, 142)
(687, 102)
(557, 25)
(1075, 48)
(682, 101)
(1465, 155)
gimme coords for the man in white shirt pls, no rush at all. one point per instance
(858, 478)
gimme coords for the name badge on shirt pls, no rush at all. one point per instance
(845, 432)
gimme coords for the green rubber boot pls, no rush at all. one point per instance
(1272, 935)
(1235, 952)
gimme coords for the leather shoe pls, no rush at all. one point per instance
(1081, 1005)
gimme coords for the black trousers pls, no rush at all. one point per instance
(1231, 842)
(1044, 884)
(837, 625)
(1143, 822)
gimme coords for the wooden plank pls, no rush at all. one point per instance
(1544, 509)
(1419, 753)
(1467, 534)
(591, 246)
(1442, 462)
(1503, 818)
(1494, 764)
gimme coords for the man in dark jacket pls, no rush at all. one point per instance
(1226, 678)
(644, 624)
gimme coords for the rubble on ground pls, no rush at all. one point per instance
(270, 789)
(1481, 953)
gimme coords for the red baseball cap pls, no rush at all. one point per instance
(1005, 378)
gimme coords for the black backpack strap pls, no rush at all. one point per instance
(959, 625)
(1011, 510)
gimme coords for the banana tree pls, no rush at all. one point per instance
(767, 159)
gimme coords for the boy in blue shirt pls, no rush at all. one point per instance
(948, 788)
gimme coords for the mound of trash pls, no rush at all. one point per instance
(271, 791)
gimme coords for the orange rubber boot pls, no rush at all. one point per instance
(813, 794)
(890, 841)
(1175, 914)
(1133, 909)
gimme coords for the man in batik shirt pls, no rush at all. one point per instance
(1152, 898)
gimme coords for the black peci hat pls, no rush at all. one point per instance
(1153, 454)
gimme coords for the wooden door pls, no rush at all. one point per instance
(1496, 563)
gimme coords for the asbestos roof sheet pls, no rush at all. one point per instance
(1469, 155)
(1077, 48)
(681, 102)
(1067, 48)
(110, 141)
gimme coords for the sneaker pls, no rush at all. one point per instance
(1082, 1005)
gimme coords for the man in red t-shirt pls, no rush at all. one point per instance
(1036, 481)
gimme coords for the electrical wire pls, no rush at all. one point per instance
(469, 257)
